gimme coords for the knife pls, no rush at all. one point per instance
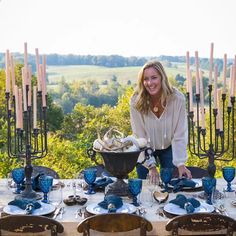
(56, 212)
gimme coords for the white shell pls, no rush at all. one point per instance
(97, 145)
(132, 148)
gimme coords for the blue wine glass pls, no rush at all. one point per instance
(89, 177)
(18, 176)
(135, 187)
(45, 184)
(166, 176)
(208, 185)
(228, 174)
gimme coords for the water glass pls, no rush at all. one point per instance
(228, 174)
(55, 196)
(208, 185)
(45, 183)
(135, 187)
(18, 176)
(90, 177)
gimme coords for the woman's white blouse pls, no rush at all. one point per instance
(169, 129)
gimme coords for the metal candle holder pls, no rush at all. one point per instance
(27, 143)
(220, 141)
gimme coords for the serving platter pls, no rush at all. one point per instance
(96, 209)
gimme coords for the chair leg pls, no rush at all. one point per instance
(143, 228)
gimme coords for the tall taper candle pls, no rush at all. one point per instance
(197, 72)
(20, 109)
(231, 84)
(38, 71)
(26, 63)
(24, 88)
(220, 125)
(29, 79)
(7, 61)
(35, 107)
(187, 71)
(211, 63)
(190, 91)
(17, 106)
(202, 100)
(215, 86)
(13, 75)
(224, 73)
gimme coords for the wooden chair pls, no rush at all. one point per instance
(202, 222)
(197, 172)
(114, 222)
(30, 224)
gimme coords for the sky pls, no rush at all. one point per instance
(121, 27)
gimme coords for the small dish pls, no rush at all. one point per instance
(71, 200)
(160, 197)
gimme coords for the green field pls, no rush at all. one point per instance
(99, 73)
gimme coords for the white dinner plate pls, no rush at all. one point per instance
(96, 209)
(197, 181)
(45, 209)
(177, 210)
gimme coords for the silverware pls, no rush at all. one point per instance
(56, 212)
(62, 211)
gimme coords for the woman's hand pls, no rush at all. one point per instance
(184, 171)
(154, 175)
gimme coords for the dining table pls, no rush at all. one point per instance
(150, 209)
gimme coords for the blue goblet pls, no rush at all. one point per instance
(18, 176)
(135, 187)
(45, 184)
(166, 176)
(228, 174)
(208, 185)
(89, 177)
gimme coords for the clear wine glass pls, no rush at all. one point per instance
(135, 187)
(166, 176)
(228, 174)
(90, 177)
(18, 176)
(45, 183)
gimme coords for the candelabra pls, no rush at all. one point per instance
(29, 141)
(214, 142)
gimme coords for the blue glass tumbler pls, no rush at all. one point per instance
(90, 177)
(45, 184)
(135, 187)
(18, 176)
(208, 185)
(228, 174)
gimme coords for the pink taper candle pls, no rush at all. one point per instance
(197, 72)
(231, 84)
(37, 68)
(224, 73)
(20, 109)
(220, 125)
(26, 62)
(35, 107)
(202, 101)
(187, 71)
(17, 106)
(13, 75)
(7, 67)
(29, 79)
(190, 91)
(215, 86)
(24, 88)
(211, 63)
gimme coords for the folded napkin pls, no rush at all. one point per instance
(25, 204)
(179, 184)
(102, 183)
(111, 202)
(189, 204)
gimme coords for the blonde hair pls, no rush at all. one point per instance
(143, 97)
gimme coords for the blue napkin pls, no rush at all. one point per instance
(189, 204)
(111, 202)
(25, 204)
(178, 184)
(102, 183)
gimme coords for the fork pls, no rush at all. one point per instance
(62, 212)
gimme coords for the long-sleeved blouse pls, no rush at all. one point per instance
(169, 129)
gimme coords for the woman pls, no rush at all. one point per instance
(158, 114)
